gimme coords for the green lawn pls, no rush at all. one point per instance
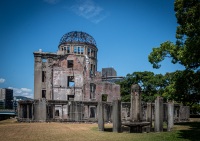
(10, 130)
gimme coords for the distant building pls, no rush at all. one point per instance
(106, 72)
(110, 75)
(6, 98)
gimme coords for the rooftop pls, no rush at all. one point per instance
(77, 37)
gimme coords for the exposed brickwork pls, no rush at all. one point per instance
(71, 74)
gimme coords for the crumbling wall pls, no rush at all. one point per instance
(56, 80)
(110, 89)
(61, 75)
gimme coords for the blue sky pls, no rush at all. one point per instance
(125, 32)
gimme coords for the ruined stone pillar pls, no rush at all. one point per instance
(116, 116)
(27, 111)
(135, 103)
(149, 113)
(32, 114)
(72, 111)
(19, 110)
(77, 111)
(37, 77)
(100, 112)
(40, 110)
(187, 112)
(170, 116)
(106, 113)
(49, 79)
(53, 111)
(86, 111)
(62, 111)
(158, 123)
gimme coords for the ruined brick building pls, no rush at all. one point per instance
(67, 85)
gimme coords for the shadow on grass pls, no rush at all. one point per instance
(192, 133)
(125, 129)
(110, 129)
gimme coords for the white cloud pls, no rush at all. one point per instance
(26, 89)
(2, 80)
(89, 10)
(22, 92)
(52, 1)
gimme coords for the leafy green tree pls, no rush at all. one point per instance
(147, 82)
(183, 86)
(125, 87)
(186, 87)
(152, 85)
(186, 50)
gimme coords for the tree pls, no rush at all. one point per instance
(184, 86)
(186, 50)
(125, 87)
(152, 85)
(187, 87)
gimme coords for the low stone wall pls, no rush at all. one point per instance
(181, 113)
(86, 111)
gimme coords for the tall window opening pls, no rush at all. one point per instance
(92, 112)
(43, 76)
(57, 113)
(92, 52)
(92, 90)
(75, 49)
(70, 63)
(88, 51)
(82, 50)
(71, 81)
(68, 49)
(79, 50)
(43, 93)
(91, 70)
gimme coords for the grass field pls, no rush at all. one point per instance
(10, 130)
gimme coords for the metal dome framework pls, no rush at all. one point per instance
(77, 37)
